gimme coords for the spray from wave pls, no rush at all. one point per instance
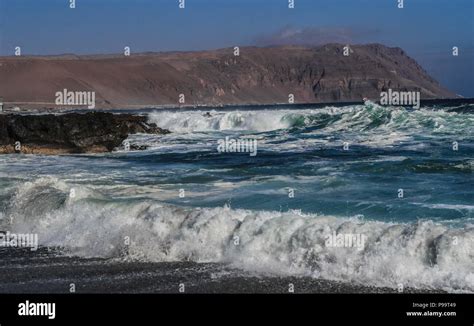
(422, 254)
(358, 118)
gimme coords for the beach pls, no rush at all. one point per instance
(42, 272)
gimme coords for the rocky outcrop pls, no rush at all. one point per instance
(92, 132)
(256, 76)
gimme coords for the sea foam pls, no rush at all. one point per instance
(422, 254)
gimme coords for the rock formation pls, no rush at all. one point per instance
(94, 132)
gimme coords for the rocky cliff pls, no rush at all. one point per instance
(257, 75)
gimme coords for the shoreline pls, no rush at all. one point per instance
(40, 108)
(25, 271)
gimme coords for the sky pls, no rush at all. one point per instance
(426, 29)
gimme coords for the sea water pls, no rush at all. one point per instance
(400, 178)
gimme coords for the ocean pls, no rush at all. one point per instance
(397, 179)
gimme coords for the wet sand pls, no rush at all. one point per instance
(43, 271)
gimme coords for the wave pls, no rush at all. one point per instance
(357, 118)
(423, 254)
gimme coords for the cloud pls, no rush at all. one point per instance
(314, 36)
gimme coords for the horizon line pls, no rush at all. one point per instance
(303, 46)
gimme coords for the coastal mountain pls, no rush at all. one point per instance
(256, 76)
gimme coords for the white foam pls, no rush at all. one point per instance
(192, 121)
(422, 254)
(356, 118)
(368, 125)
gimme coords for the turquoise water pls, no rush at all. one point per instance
(316, 171)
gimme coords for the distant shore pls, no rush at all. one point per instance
(257, 75)
(39, 107)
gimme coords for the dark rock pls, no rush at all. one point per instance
(70, 133)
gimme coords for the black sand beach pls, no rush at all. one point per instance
(25, 271)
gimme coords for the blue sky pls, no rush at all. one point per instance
(426, 29)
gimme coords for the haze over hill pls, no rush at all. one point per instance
(256, 76)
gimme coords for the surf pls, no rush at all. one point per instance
(420, 254)
(370, 117)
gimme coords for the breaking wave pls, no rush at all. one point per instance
(422, 254)
(357, 118)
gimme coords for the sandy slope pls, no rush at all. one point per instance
(258, 75)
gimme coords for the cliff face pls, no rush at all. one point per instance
(258, 75)
(69, 133)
